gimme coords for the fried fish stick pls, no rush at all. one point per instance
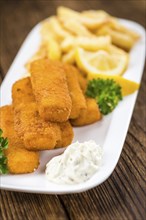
(22, 92)
(89, 116)
(19, 159)
(82, 81)
(76, 94)
(50, 89)
(66, 134)
(22, 161)
(36, 133)
(7, 125)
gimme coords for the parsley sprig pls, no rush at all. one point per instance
(3, 158)
(106, 92)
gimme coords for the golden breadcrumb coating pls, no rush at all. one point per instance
(19, 160)
(76, 94)
(51, 90)
(36, 133)
(22, 92)
(7, 125)
(22, 161)
(88, 116)
(67, 134)
(82, 81)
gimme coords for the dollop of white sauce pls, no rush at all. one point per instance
(78, 163)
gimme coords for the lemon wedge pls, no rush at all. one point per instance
(104, 62)
(128, 86)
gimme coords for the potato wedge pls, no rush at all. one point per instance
(97, 43)
(76, 28)
(69, 57)
(119, 39)
(58, 29)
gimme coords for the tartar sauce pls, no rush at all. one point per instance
(78, 163)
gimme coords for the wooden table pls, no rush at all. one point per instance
(122, 196)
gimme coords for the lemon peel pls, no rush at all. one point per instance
(101, 62)
(128, 86)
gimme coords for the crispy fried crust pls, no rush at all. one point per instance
(82, 81)
(88, 116)
(67, 134)
(36, 133)
(7, 125)
(22, 161)
(51, 90)
(19, 159)
(22, 92)
(76, 94)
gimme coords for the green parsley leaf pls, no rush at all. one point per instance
(106, 92)
(3, 158)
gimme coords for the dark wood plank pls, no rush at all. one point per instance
(27, 206)
(122, 196)
(140, 113)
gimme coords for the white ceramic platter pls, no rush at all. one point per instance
(110, 132)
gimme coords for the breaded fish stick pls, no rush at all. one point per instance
(22, 92)
(7, 125)
(89, 116)
(19, 159)
(66, 134)
(82, 81)
(36, 133)
(76, 94)
(50, 89)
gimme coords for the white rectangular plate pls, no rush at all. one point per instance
(110, 132)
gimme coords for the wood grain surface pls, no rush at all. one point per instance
(123, 195)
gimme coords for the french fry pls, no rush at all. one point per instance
(67, 44)
(95, 44)
(74, 27)
(53, 50)
(95, 14)
(93, 24)
(120, 39)
(69, 57)
(120, 28)
(46, 30)
(58, 29)
(63, 13)
(89, 22)
(116, 50)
